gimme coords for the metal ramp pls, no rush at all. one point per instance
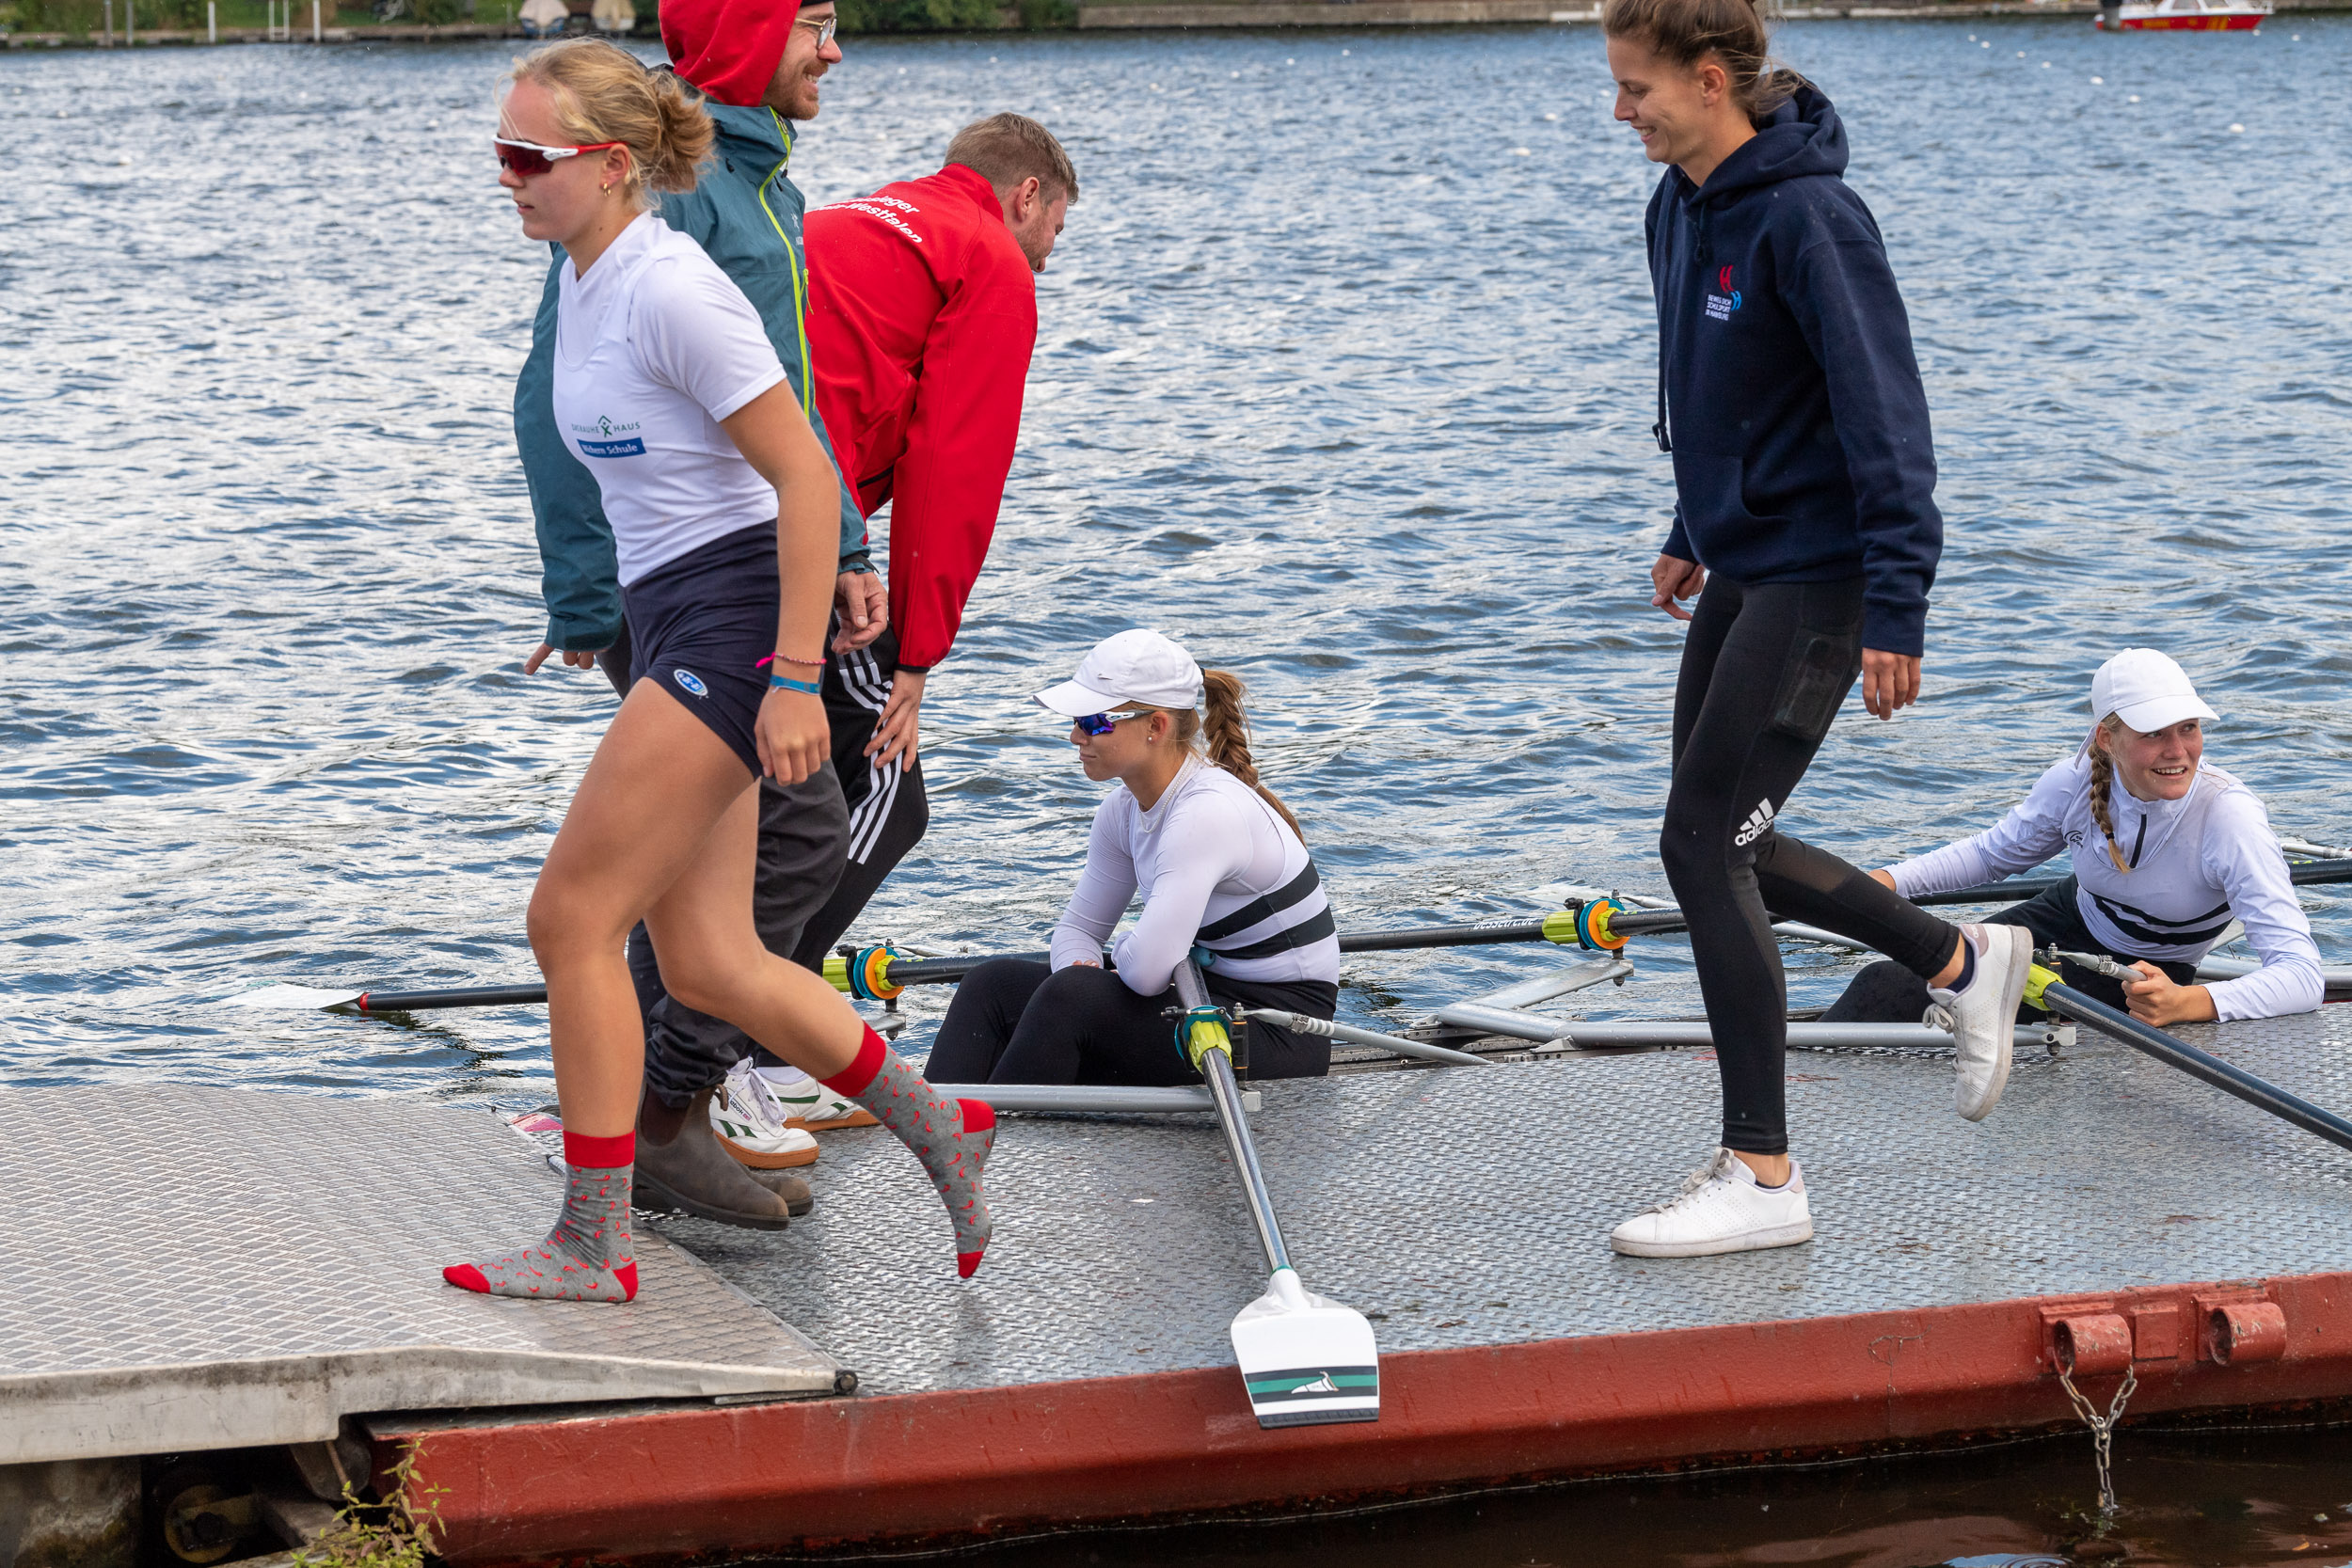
(193, 1268)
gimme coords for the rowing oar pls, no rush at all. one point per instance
(2045, 989)
(1305, 1359)
(1602, 924)
(880, 973)
(1994, 893)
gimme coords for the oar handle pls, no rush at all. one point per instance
(2064, 999)
(1213, 1050)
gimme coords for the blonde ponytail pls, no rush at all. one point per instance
(603, 93)
(2102, 788)
(1223, 731)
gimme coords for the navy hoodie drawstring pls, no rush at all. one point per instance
(1661, 431)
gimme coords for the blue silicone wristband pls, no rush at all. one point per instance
(785, 683)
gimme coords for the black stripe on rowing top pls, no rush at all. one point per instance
(2123, 917)
(1266, 908)
(1305, 934)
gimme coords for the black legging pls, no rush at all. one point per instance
(1889, 993)
(1764, 670)
(1015, 1022)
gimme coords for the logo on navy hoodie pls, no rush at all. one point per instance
(1720, 307)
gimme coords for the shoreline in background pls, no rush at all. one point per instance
(1133, 16)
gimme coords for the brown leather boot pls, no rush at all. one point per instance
(787, 1186)
(680, 1167)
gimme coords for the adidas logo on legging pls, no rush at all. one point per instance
(1759, 822)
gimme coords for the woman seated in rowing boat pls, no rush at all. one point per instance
(1220, 866)
(722, 503)
(2167, 851)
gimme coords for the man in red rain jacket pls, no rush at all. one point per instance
(922, 315)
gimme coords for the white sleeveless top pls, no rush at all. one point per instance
(653, 348)
(2196, 863)
(1216, 867)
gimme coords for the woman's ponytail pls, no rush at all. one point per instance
(1224, 730)
(687, 135)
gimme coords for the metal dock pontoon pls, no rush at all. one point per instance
(204, 1269)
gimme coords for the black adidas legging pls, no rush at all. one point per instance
(1889, 993)
(1013, 1021)
(1764, 670)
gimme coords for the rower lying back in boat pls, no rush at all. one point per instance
(2167, 851)
(1222, 870)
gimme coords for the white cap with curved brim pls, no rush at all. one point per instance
(1139, 668)
(2145, 689)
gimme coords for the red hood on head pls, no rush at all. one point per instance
(728, 48)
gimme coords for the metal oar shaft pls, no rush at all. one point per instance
(1216, 1066)
(1303, 1024)
(2260, 1092)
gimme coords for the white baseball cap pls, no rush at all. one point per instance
(2146, 690)
(1139, 668)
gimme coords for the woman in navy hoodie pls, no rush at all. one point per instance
(1804, 481)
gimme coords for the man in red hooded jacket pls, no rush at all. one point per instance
(922, 316)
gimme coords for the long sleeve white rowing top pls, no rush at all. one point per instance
(2196, 863)
(1216, 866)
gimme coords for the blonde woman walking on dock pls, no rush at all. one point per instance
(725, 519)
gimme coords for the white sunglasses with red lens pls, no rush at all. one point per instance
(527, 158)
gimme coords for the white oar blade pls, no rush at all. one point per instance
(1305, 1359)
(304, 997)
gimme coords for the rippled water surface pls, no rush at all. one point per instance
(1344, 377)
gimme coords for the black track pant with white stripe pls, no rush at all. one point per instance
(888, 811)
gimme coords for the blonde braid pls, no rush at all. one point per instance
(2102, 786)
(1225, 733)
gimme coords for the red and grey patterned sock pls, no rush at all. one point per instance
(952, 1137)
(589, 1255)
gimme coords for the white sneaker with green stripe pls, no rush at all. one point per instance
(748, 1127)
(796, 1099)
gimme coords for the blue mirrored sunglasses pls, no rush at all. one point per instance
(1102, 723)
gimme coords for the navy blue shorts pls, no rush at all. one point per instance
(700, 625)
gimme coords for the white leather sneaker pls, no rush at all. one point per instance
(797, 1099)
(1720, 1209)
(750, 1128)
(1982, 1019)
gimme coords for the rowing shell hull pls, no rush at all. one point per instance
(2246, 22)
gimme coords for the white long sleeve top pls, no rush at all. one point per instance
(1216, 866)
(2196, 863)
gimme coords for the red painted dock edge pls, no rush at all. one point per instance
(800, 1476)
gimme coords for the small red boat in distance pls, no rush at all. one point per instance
(2186, 16)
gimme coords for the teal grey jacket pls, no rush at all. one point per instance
(747, 216)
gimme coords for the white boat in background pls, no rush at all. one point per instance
(2190, 16)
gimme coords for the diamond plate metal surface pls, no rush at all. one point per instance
(193, 1267)
(1473, 1207)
